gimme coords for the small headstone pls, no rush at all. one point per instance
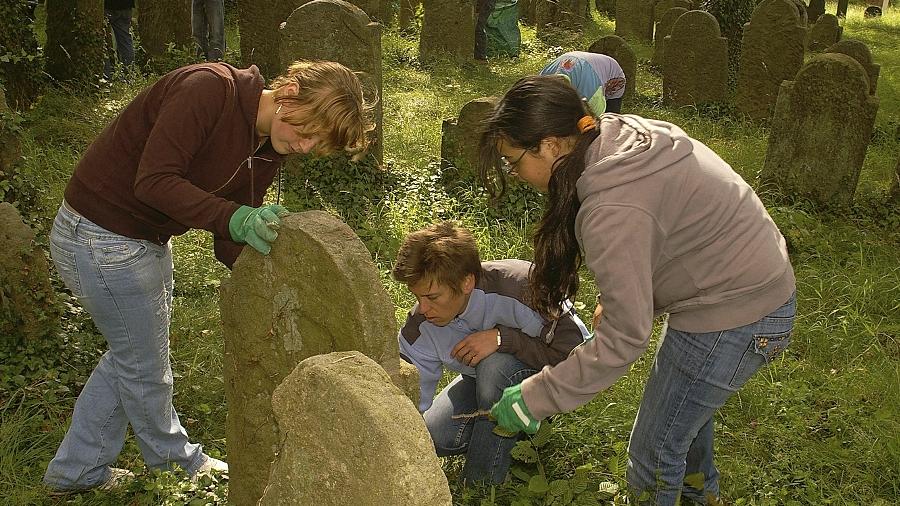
(859, 52)
(318, 291)
(460, 136)
(664, 28)
(448, 30)
(771, 51)
(343, 34)
(820, 131)
(695, 66)
(826, 32)
(558, 15)
(619, 50)
(350, 437)
(634, 19)
(815, 9)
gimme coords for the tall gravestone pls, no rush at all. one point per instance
(343, 34)
(619, 50)
(161, 22)
(460, 136)
(820, 131)
(76, 41)
(826, 32)
(771, 51)
(634, 19)
(695, 65)
(318, 291)
(350, 437)
(664, 28)
(859, 52)
(448, 30)
(815, 9)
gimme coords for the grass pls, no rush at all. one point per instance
(820, 426)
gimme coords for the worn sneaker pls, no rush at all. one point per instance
(118, 479)
(209, 466)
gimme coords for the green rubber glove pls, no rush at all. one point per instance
(512, 414)
(256, 226)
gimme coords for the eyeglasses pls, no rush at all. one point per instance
(509, 167)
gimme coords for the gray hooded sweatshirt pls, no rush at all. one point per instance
(666, 226)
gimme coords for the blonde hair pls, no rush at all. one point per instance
(442, 253)
(330, 102)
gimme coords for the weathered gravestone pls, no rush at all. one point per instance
(820, 131)
(259, 21)
(664, 28)
(318, 291)
(76, 41)
(343, 34)
(350, 437)
(448, 30)
(695, 65)
(663, 6)
(606, 7)
(619, 50)
(634, 19)
(771, 52)
(826, 32)
(815, 9)
(859, 52)
(550, 15)
(29, 311)
(460, 137)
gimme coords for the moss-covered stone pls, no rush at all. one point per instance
(619, 50)
(695, 67)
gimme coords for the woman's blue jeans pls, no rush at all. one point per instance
(126, 286)
(487, 454)
(671, 447)
(208, 28)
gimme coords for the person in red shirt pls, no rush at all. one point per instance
(197, 149)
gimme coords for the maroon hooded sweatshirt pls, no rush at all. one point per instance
(183, 154)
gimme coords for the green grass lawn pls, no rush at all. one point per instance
(820, 426)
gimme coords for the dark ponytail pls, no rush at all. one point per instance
(535, 108)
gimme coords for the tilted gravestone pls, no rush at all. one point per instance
(634, 19)
(448, 30)
(695, 66)
(859, 52)
(664, 28)
(616, 47)
(820, 131)
(815, 9)
(460, 136)
(343, 34)
(350, 437)
(771, 51)
(826, 32)
(318, 291)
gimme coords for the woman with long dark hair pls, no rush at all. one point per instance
(665, 226)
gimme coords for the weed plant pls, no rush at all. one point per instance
(819, 426)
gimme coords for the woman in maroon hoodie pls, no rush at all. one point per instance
(665, 226)
(197, 149)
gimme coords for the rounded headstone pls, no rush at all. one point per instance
(616, 47)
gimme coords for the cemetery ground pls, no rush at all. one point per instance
(821, 425)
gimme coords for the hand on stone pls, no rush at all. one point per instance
(475, 347)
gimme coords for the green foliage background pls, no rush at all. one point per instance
(820, 426)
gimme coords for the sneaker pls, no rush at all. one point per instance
(209, 466)
(118, 479)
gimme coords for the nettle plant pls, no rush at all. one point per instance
(533, 487)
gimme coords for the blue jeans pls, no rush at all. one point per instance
(487, 454)
(120, 21)
(208, 28)
(693, 375)
(126, 286)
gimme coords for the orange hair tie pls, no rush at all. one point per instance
(587, 123)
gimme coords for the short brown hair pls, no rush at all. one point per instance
(330, 102)
(444, 253)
